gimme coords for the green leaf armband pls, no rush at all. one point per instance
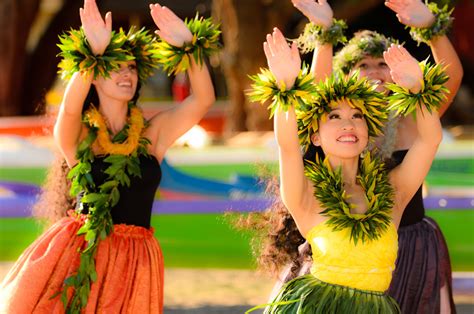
(205, 42)
(440, 27)
(432, 93)
(77, 55)
(314, 35)
(265, 88)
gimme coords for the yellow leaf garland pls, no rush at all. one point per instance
(105, 145)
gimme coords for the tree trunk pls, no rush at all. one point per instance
(244, 24)
(16, 18)
(42, 63)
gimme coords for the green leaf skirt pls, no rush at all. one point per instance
(307, 294)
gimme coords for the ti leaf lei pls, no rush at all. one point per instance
(99, 200)
(330, 193)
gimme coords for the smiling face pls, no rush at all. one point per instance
(375, 69)
(343, 133)
(121, 85)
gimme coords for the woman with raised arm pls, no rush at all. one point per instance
(102, 257)
(422, 279)
(347, 206)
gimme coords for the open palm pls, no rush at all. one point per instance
(319, 12)
(412, 12)
(404, 69)
(284, 62)
(170, 27)
(97, 30)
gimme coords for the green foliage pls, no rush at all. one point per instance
(431, 95)
(265, 87)
(77, 55)
(205, 42)
(329, 191)
(307, 294)
(440, 27)
(314, 35)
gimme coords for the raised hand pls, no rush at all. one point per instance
(319, 12)
(170, 27)
(284, 62)
(404, 69)
(412, 12)
(97, 30)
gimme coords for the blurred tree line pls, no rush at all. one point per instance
(28, 50)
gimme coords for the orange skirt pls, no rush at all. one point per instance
(129, 266)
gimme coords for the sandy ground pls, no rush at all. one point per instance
(221, 291)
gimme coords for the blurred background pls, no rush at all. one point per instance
(215, 167)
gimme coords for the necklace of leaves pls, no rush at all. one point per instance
(329, 191)
(124, 163)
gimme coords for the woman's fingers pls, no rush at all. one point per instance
(108, 21)
(266, 50)
(270, 44)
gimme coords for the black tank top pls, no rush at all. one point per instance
(136, 201)
(415, 210)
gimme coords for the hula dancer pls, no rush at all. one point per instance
(422, 280)
(102, 256)
(346, 205)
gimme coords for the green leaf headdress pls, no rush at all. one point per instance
(136, 45)
(364, 43)
(357, 92)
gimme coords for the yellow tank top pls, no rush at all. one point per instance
(366, 266)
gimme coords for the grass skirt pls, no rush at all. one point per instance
(307, 294)
(129, 267)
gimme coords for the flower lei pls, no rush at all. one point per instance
(124, 162)
(265, 87)
(330, 193)
(204, 43)
(440, 27)
(314, 35)
(431, 95)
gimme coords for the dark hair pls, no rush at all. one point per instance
(54, 199)
(276, 236)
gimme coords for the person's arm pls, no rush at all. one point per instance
(415, 13)
(169, 125)
(319, 13)
(410, 174)
(68, 126)
(284, 62)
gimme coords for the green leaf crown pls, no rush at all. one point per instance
(357, 92)
(363, 44)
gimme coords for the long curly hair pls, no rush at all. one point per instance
(54, 199)
(276, 237)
